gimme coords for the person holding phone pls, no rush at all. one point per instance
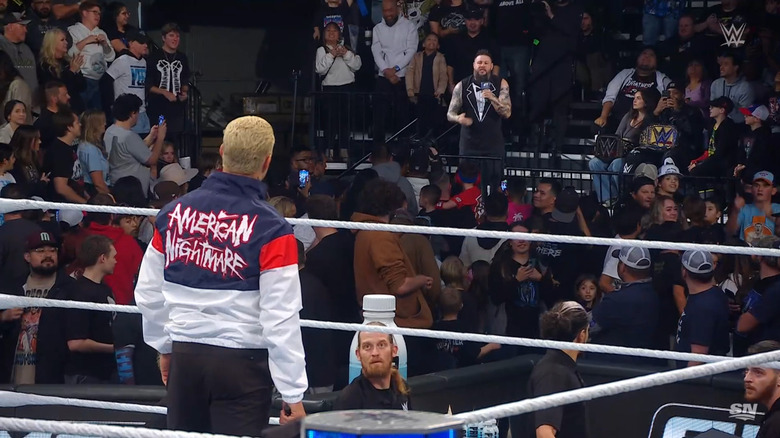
(484, 101)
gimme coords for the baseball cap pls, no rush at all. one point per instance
(474, 14)
(15, 17)
(668, 169)
(39, 239)
(566, 204)
(723, 102)
(764, 176)
(675, 86)
(647, 170)
(137, 36)
(71, 217)
(758, 111)
(698, 262)
(633, 257)
(174, 172)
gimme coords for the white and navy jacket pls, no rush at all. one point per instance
(222, 269)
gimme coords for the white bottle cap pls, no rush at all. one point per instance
(379, 303)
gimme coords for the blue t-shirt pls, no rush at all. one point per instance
(754, 224)
(705, 321)
(766, 308)
(627, 317)
(92, 160)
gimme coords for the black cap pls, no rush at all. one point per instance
(566, 204)
(723, 102)
(474, 14)
(15, 17)
(138, 37)
(679, 86)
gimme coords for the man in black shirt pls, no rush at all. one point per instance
(89, 334)
(462, 48)
(557, 372)
(762, 385)
(167, 82)
(380, 385)
(67, 183)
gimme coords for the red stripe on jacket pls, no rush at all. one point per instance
(280, 252)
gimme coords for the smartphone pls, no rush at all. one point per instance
(303, 178)
(666, 94)
(503, 186)
(161, 120)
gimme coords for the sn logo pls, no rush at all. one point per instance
(743, 411)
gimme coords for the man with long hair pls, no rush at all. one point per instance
(380, 385)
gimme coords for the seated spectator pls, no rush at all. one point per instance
(697, 87)
(514, 281)
(454, 353)
(633, 125)
(728, 14)
(15, 88)
(15, 115)
(753, 221)
(704, 324)
(32, 342)
(88, 332)
(426, 83)
(687, 120)
(621, 89)
(336, 63)
(26, 144)
(128, 154)
(92, 43)
(480, 248)
(56, 96)
(380, 385)
(755, 151)
(761, 319)
(629, 317)
(56, 66)
(517, 209)
(60, 161)
(93, 157)
(679, 51)
(732, 84)
(721, 151)
(317, 306)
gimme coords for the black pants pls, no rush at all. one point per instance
(218, 390)
(336, 116)
(430, 114)
(391, 108)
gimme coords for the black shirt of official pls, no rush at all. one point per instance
(770, 427)
(557, 372)
(361, 394)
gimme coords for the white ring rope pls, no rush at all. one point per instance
(9, 301)
(97, 430)
(8, 205)
(613, 388)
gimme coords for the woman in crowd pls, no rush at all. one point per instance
(55, 65)
(697, 90)
(15, 114)
(167, 156)
(13, 86)
(92, 152)
(117, 26)
(26, 144)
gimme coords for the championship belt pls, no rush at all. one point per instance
(610, 146)
(659, 137)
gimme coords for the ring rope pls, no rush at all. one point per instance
(98, 430)
(614, 388)
(29, 204)
(8, 301)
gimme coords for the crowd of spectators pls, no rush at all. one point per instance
(690, 301)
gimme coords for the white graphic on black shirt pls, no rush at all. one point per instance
(170, 75)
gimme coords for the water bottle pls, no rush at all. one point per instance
(381, 309)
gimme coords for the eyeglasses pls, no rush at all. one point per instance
(45, 250)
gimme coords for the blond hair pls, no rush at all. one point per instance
(284, 205)
(246, 143)
(453, 272)
(47, 59)
(93, 123)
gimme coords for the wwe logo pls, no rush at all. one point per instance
(733, 35)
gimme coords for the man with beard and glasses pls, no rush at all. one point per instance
(484, 100)
(762, 385)
(380, 385)
(621, 89)
(31, 342)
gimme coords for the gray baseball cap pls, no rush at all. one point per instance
(698, 262)
(633, 257)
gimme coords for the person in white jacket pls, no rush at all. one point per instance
(336, 64)
(394, 44)
(92, 43)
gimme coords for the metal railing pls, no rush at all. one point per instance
(192, 137)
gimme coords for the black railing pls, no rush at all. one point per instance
(192, 137)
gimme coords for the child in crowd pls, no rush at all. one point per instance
(468, 177)
(669, 182)
(519, 210)
(7, 161)
(587, 291)
(429, 197)
(167, 156)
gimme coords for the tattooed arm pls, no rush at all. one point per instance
(502, 104)
(453, 113)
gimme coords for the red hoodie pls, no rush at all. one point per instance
(128, 261)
